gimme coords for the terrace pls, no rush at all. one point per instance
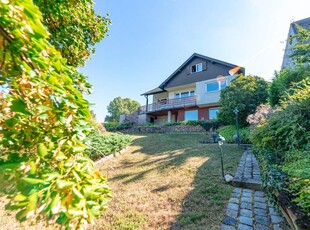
(168, 104)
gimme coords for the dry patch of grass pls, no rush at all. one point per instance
(168, 181)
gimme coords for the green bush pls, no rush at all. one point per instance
(244, 93)
(101, 145)
(118, 126)
(110, 125)
(284, 80)
(282, 147)
(229, 131)
(207, 125)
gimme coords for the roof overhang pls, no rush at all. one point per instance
(153, 91)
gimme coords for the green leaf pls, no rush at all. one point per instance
(75, 212)
(60, 156)
(19, 106)
(11, 122)
(32, 181)
(64, 184)
(52, 176)
(19, 198)
(42, 150)
(33, 167)
(77, 193)
(43, 108)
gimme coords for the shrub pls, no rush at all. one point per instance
(101, 145)
(118, 126)
(282, 144)
(244, 93)
(110, 125)
(229, 131)
(284, 80)
(207, 125)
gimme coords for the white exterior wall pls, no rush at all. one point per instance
(172, 93)
(203, 97)
(158, 96)
(143, 119)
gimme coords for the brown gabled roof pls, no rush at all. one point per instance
(153, 91)
(162, 85)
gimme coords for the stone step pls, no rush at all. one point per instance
(248, 173)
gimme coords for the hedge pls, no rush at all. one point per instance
(101, 145)
(229, 131)
(282, 146)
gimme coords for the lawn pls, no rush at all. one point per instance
(162, 181)
(168, 181)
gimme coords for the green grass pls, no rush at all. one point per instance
(168, 181)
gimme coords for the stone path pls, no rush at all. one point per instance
(248, 174)
(248, 207)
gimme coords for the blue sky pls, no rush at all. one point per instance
(150, 39)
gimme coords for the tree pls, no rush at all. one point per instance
(283, 81)
(301, 50)
(244, 93)
(74, 27)
(120, 106)
(43, 122)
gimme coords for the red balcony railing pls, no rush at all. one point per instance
(168, 104)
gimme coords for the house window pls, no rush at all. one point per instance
(213, 113)
(191, 115)
(185, 94)
(196, 68)
(216, 86)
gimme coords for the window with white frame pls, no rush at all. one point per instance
(216, 85)
(213, 113)
(196, 68)
(191, 115)
(185, 94)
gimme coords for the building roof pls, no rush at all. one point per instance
(162, 85)
(153, 91)
(304, 23)
(166, 83)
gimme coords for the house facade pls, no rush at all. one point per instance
(192, 92)
(291, 41)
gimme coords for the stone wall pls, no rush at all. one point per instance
(165, 129)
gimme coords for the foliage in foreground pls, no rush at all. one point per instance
(244, 93)
(102, 145)
(74, 28)
(229, 131)
(120, 106)
(283, 81)
(43, 121)
(282, 146)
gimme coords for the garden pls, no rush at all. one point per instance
(49, 138)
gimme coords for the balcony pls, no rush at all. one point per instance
(168, 104)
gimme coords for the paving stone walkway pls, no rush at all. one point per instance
(248, 208)
(248, 173)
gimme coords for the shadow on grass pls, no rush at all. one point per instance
(203, 207)
(170, 151)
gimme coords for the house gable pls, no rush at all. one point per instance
(287, 61)
(211, 68)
